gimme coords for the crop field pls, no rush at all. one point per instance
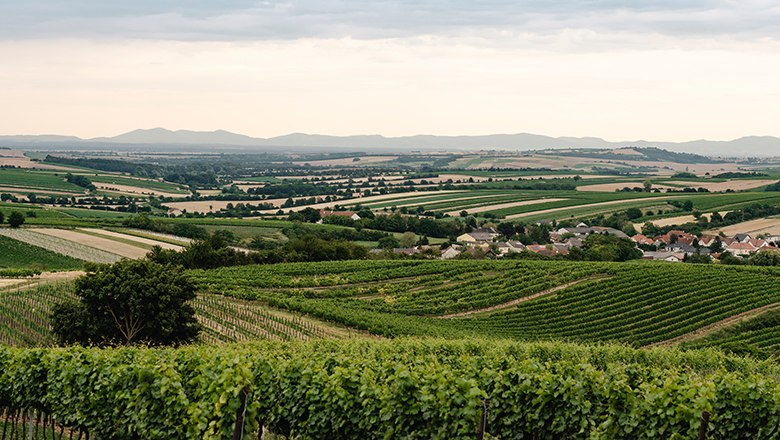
(18, 254)
(37, 180)
(761, 332)
(60, 245)
(146, 184)
(631, 303)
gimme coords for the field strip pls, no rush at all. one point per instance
(770, 225)
(736, 185)
(707, 329)
(133, 238)
(362, 200)
(590, 205)
(506, 205)
(38, 189)
(103, 244)
(135, 190)
(612, 187)
(452, 200)
(60, 245)
(517, 301)
(158, 236)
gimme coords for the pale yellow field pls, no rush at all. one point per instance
(103, 244)
(134, 238)
(346, 161)
(612, 187)
(736, 185)
(134, 190)
(679, 220)
(18, 159)
(504, 205)
(753, 227)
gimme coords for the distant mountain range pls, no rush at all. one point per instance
(157, 139)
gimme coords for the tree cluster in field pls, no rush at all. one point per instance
(80, 180)
(773, 187)
(15, 219)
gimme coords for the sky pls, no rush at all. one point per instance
(621, 70)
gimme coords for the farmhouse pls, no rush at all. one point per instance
(479, 235)
(326, 213)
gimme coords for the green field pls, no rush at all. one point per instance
(37, 180)
(140, 183)
(15, 254)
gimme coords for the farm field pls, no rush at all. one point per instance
(769, 226)
(15, 254)
(37, 180)
(60, 245)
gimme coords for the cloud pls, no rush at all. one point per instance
(251, 20)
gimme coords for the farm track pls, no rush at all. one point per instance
(517, 301)
(715, 326)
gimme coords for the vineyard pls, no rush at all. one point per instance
(25, 310)
(639, 303)
(18, 254)
(417, 389)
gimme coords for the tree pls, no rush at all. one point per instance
(633, 213)
(129, 302)
(408, 239)
(648, 185)
(389, 242)
(311, 215)
(766, 258)
(16, 219)
(2, 217)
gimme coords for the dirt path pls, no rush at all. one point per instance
(517, 301)
(715, 326)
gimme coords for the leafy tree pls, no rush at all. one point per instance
(697, 258)
(16, 219)
(506, 229)
(389, 242)
(408, 239)
(311, 215)
(633, 213)
(687, 206)
(129, 302)
(766, 258)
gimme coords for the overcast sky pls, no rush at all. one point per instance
(622, 70)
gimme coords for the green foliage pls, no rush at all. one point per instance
(766, 258)
(81, 181)
(16, 219)
(773, 187)
(416, 389)
(132, 301)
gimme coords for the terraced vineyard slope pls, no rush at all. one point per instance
(638, 303)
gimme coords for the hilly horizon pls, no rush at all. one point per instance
(161, 137)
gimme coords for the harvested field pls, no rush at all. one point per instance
(682, 219)
(348, 161)
(102, 244)
(612, 187)
(754, 227)
(60, 245)
(134, 190)
(134, 238)
(505, 205)
(736, 185)
(16, 158)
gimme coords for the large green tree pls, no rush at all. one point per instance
(129, 302)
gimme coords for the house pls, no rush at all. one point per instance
(406, 251)
(174, 212)
(671, 257)
(641, 239)
(610, 231)
(509, 247)
(450, 253)
(479, 235)
(742, 238)
(326, 213)
(548, 250)
(576, 231)
(740, 249)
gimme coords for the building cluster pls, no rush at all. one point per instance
(676, 245)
